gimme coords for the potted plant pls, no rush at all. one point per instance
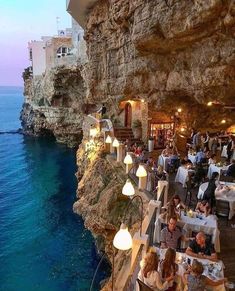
(151, 144)
(137, 129)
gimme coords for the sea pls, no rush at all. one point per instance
(44, 246)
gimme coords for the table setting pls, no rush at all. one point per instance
(163, 161)
(182, 174)
(191, 221)
(213, 270)
(218, 167)
(192, 157)
(226, 192)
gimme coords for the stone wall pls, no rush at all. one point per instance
(54, 105)
(171, 53)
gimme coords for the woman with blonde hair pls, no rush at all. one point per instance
(169, 268)
(149, 273)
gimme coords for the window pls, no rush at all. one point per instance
(63, 51)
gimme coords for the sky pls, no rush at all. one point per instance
(21, 22)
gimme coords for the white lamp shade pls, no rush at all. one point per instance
(141, 172)
(108, 139)
(123, 239)
(128, 160)
(116, 143)
(128, 188)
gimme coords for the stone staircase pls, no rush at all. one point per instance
(123, 133)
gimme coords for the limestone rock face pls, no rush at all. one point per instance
(168, 52)
(100, 201)
(53, 105)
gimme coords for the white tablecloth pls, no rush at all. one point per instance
(224, 152)
(227, 194)
(214, 168)
(163, 161)
(207, 224)
(182, 175)
(182, 258)
(192, 158)
(221, 193)
(202, 189)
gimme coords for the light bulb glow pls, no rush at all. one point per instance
(128, 160)
(123, 239)
(209, 103)
(179, 109)
(141, 172)
(116, 143)
(108, 139)
(93, 132)
(128, 188)
(223, 121)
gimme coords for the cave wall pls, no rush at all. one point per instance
(170, 53)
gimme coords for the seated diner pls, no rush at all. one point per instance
(171, 235)
(201, 248)
(203, 207)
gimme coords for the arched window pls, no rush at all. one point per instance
(63, 51)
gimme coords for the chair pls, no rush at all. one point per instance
(143, 286)
(222, 208)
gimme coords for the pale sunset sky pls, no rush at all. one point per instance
(22, 21)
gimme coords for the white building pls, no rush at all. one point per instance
(37, 55)
(50, 51)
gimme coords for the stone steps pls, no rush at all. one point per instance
(123, 133)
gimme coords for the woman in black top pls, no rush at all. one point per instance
(209, 194)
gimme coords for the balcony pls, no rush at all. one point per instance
(79, 9)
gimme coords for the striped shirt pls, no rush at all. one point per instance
(171, 238)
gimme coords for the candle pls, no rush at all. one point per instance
(190, 213)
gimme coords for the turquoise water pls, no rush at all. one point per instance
(43, 244)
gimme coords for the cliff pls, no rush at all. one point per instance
(54, 104)
(101, 202)
(168, 52)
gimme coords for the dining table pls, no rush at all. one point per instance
(215, 168)
(163, 161)
(225, 191)
(192, 223)
(182, 174)
(192, 158)
(211, 269)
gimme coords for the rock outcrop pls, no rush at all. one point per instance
(101, 202)
(168, 52)
(54, 105)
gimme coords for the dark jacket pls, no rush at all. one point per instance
(209, 194)
(231, 171)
